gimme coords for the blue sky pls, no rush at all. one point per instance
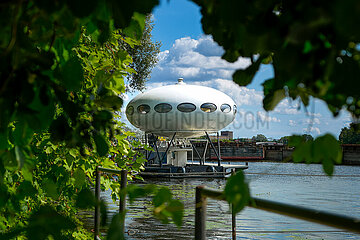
(186, 52)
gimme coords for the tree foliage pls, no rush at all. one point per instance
(313, 47)
(61, 72)
(144, 56)
(350, 135)
(259, 138)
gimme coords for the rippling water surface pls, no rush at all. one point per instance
(298, 184)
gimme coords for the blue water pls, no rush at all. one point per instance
(298, 184)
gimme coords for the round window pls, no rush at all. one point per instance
(130, 110)
(235, 109)
(163, 108)
(143, 109)
(186, 107)
(208, 107)
(225, 108)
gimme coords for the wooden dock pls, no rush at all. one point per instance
(210, 170)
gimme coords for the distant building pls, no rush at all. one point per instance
(228, 135)
(224, 135)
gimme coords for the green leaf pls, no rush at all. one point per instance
(85, 199)
(272, 99)
(9, 160)
(116, 232)
(176, 208)
(245, 77)
(327, 150)
(135, 191)
(27, 172)
(50, 188)
(82, 8)
(80, 178)
(73, 152)
(295, 140)
(20, 156)
(103, 212)
(22, 135)
(237, 192)
(307, 47)
(102, 147)
(72, 74)
(162, 196)
(45, 222)
(4, 141)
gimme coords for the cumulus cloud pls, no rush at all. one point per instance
(195, 60)
(311, 130)
(292, 123)
(241, 95)
(314, 114)
(264, 116)
(287, 106)
(311, 121)
(207, 47)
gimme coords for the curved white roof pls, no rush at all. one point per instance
(186, 124)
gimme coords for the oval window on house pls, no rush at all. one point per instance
(143, 109)
(208, 107)
(225, 108)
(163, 108)
(235, 109)
(130, 110)
(186, 107)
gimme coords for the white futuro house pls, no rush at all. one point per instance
(184, 109)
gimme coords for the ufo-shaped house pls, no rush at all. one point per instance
(184, 109)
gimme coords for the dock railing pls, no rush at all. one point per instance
(202, 193)
(311, 215)
(123, 184)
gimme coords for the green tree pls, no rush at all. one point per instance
(308, 137)
(350, 135)
(61, 72)
(144, 56)
(259, 138)
(284, 140)
(313, 48)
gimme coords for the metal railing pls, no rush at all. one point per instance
(201, 195)
(311, 215)
(123, 183)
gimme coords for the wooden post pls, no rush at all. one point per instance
(122, 200)
(200, 214)
(218, 142)
(97, 204)
(233, 216)
(123, 183)
(233, 223)
(146, 151)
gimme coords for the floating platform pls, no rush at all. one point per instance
(210, 170)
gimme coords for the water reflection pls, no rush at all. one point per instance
(305, 185)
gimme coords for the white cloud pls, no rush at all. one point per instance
(311, 121)
(311, 130)
(186, 72)
(264, 116)
(288, 106)
(241, 95)
(195, 60)
(207, 47)
(314, 114)
(292, 123)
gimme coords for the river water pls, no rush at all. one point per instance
(298, 184)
